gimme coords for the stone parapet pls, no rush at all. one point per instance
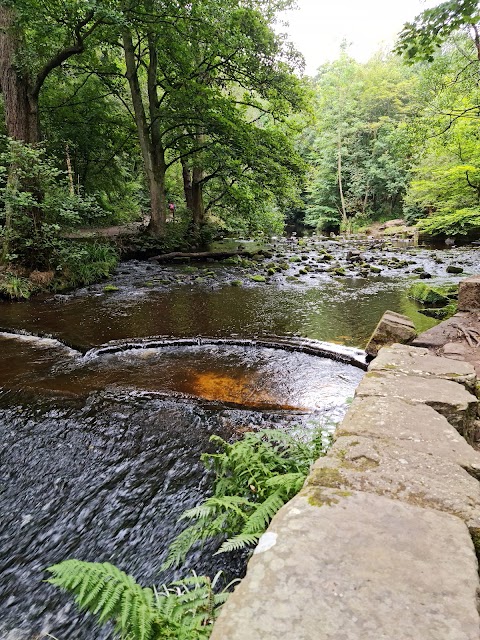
(380, 541)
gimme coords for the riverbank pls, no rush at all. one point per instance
(382, 538)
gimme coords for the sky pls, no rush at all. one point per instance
(318, 27)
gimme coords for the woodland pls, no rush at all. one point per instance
(195, 119)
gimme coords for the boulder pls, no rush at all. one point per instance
(392, 328)
(469, 294)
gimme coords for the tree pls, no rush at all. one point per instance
(421, 38)
(359, 149)
(64, 29)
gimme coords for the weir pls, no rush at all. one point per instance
(381, 542)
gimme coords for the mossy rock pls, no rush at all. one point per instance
(258, 278)
(236, 283)
(295, 259)
(428, 295)
(109, 288)
(339, 271)
(440, 314)
(375, 269)
(453, 268)
(233, 260)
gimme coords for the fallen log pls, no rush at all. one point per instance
(202, 255)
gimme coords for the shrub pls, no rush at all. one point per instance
(15, 287)
(79, 264)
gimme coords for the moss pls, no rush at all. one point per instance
(110, 287)
(429, 295)
(258, 278)
(327, 477)
(236, 283)
(319, 498)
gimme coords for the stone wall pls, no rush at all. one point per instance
(380, 543)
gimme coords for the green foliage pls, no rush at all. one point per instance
(80, 264)
(37, 206)
(457, 223)
(359, 141)
(420, 39)
(185, 610)
(253, 478)
(15, 287)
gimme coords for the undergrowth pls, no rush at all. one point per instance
(184, 610)
(253, 478)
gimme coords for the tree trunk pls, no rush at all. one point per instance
(198, 207)
(187, 185)
(340, 185)
(152, 156)
(21, 106)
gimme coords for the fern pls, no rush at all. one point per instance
(254, 478)
(185, 610)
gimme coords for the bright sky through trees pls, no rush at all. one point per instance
(318, 27)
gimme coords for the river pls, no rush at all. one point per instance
(108, 398)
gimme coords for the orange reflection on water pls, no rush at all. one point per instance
(239, 389)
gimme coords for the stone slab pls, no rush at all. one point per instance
(469, 294)
(361, 567)
(450, 335)
(448, 398)
(396, 470)
(421, 427)
(415, 361)
(392, 327)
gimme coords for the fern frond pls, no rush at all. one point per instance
(261, 517)
(239, 542)
(291, 483)
(108, 592)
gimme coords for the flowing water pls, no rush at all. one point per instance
(108, 398)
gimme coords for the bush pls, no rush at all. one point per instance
(15, 287)
(36, 206)
(81, 264)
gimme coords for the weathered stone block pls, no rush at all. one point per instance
(469, 294)
(392, 328)
(397, 470)
(415, 361)
(419, 426)
(363, 567)
(450, 399)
